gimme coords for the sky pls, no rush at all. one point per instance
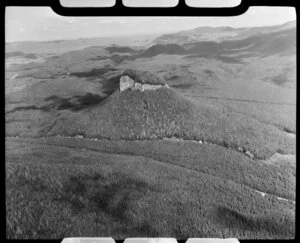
(42, 24)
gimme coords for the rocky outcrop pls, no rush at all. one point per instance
(249, 154)
(141, 84)
(126, 83)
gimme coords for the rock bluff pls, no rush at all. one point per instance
(141, 81)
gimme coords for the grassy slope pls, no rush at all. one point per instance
(166, 113)
(248, 89)
(213, 159)
(84, 192)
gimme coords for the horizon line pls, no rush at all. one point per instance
(150, 34)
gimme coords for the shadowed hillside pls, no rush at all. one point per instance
(203, 48)
(144, 77)
(133, 115)
(171, 49)
(120, 49)
(20, 54)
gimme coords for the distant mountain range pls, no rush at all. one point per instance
(254, 41)
(218, 34)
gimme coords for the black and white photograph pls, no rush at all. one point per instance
(138, 126)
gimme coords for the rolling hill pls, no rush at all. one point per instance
(211, 153)
(73, 187)
(134, 115)
(219, 34)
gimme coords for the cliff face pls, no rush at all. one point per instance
(127, 83)
(132, 80)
